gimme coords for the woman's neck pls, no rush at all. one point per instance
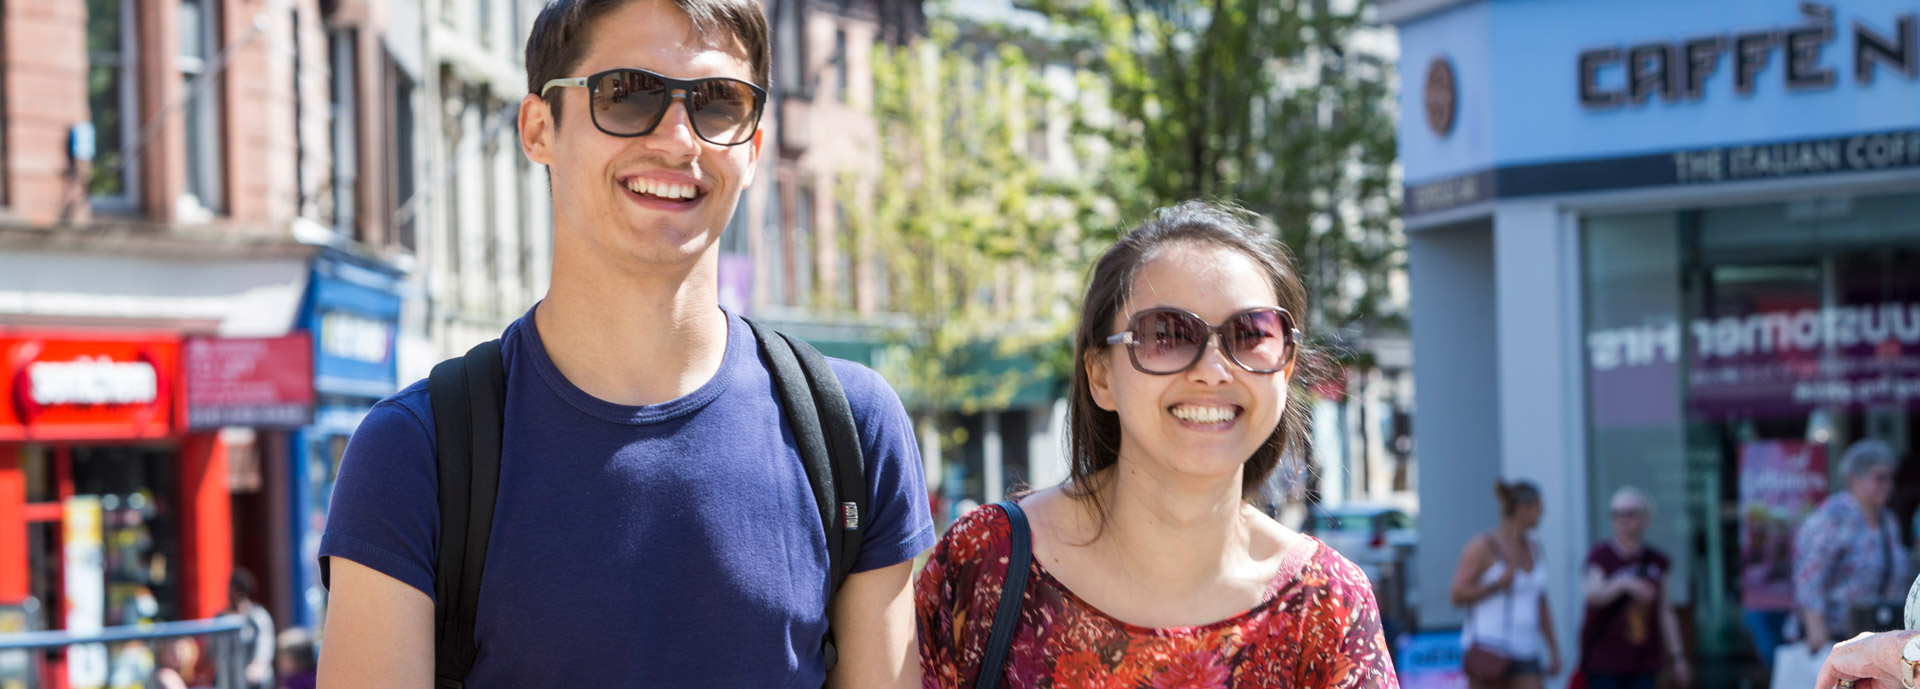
(1868, 507)
(1174, 533)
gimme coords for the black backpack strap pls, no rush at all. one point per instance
(469, 395)
(1007, 616)
(823, 428)
(822, 425)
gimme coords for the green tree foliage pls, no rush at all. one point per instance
(1262, 102)
(979, 243)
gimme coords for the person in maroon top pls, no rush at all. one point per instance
(1628, 623)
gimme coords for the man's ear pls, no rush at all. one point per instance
(1099, 382)
(536, 129)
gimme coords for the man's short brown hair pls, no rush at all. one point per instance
(560, 36)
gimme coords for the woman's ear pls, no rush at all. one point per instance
(1098, 381)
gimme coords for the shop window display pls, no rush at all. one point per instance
(1732, 355)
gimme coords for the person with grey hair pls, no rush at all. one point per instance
(1629, 628)
(1847, 554)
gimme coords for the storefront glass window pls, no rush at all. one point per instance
(1732, 355)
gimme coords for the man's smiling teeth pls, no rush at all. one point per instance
(661, 189)
(1204, 414)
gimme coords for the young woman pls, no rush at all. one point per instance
(1150, 568)
(1503, 583)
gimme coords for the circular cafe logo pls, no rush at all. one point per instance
(1441, 96)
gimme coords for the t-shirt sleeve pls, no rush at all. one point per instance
(899, 525)
(385, 512)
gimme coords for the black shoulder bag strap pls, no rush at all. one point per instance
(1007, 616)
(469, 395)
(822, 425)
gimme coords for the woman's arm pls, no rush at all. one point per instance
(1599, 589)
(1670, 631)
(1816, 546)
(1474, 560)
(1546, 634)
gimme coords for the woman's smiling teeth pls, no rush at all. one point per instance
(662, 189)
(1204, 414)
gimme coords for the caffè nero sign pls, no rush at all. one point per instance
(1680, 71)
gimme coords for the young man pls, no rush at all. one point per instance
(654, 525)
(1628, 625)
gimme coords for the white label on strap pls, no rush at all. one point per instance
(850, 516)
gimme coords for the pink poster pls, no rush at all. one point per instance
(1780, 482)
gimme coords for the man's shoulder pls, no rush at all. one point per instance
(409, 411)
(866, 390)
(874, 403)
(1600, 554)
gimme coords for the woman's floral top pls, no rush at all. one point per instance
(1317, 627)
(1840, 560)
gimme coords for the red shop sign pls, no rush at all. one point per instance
(262, 382)
(87, 386)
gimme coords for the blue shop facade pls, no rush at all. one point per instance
(352, 308)
(1669, 244)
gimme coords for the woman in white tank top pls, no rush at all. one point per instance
(1502, 581)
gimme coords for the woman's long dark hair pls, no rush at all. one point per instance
(1093, 434)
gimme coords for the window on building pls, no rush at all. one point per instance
(452, 104)
(790, 48)
(343, 134)
(3, 120)
(491, 231)
(199, 44)
(111, 99)
(1733, 355)
(400, 151)
(800, 250)
(523, 176)
(840, 65)
(773, 243)
(844, 292)
(484, 10)
(304, 200)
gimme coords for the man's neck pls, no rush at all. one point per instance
(633, 337)
(1626, 547)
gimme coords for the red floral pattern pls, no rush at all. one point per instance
(1317, 627)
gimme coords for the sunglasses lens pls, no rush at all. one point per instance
(723, 110)
(1260, 340)
(628, 102)
(1168, 341)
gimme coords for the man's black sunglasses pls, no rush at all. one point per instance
(631, 102)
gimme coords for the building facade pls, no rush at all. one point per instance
(1668, 245)
(186, 190)
(483, 208)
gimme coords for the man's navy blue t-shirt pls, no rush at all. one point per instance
(675, 544)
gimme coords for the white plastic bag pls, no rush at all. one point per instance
(1795, 667)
